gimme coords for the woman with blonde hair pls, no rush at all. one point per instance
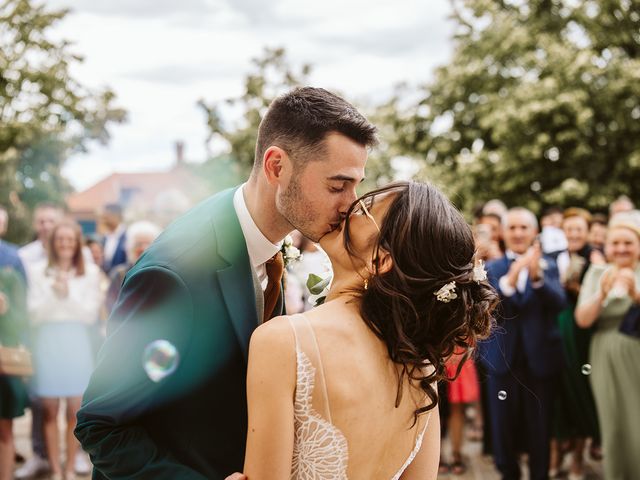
(64, 300)
(609, 300)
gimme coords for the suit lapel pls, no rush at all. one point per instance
(236, 279)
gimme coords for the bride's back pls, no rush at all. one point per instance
(361, 384)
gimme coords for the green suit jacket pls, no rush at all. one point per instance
(193, 288)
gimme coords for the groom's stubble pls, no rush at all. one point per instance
(294, 207)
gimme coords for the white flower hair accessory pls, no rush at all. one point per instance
(446, 293)
(479, 273)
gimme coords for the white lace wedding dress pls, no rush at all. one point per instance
(320, 450)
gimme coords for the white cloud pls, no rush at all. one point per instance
(161, 56)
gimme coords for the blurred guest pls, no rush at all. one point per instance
(462, 391)
(525, 352)
(575, 417)
(13, 393)
(619, 205)
(115, 237)
(552, 217)
(488, 235)
(495, 207)
(598, 231)
(45, 217)
(608, 299)
(552, 238)
(95, 244)
(139, 236)
(63, 299)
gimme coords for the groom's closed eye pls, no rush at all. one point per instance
(337, 187)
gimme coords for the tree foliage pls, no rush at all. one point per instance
(539, 105)
(45, 113)
(271, 75)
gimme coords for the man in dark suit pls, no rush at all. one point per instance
(524, 354)
(115, 239)
(167, 399)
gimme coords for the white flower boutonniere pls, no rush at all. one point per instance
(290, 253)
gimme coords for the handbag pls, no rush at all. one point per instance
(631, 322)
(15, 361)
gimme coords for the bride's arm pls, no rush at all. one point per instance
(271, 380)
(425, 465)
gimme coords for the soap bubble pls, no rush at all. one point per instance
(586, 369)
(502, 395)
(160, 359)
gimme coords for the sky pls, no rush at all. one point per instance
(162, 56)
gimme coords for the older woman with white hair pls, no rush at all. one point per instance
(609, 300)
(140, 235)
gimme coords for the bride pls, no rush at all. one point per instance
(349, 390)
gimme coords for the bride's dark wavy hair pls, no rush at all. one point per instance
(431, 245)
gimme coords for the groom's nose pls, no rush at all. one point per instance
(347, 200)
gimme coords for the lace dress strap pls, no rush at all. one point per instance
(307, 344)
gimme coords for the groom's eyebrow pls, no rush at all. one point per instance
(345, 178)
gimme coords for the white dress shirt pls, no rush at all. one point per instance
(111, 243)
(259, 247)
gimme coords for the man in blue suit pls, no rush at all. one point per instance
(115, 240)
(168, 397)
(524, 354)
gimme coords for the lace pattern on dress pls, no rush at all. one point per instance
(320, 449)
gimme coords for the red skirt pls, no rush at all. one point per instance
(465, 388)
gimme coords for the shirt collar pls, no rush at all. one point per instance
(511, 255)
(118, 231)
(259, 247)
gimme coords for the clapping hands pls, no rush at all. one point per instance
(621, 280)
(530, 260)
(61, 286)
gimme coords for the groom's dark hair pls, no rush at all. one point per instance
(299, 120)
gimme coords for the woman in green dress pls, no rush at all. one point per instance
(607, 294)
(575, 417)
(13, 393)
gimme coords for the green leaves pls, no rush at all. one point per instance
(317, 284)
(42, 109)
(539, 105)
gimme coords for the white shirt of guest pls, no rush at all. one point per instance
(259, 247)
(32, 253)
(111, 242)
(521, 283)
(81, 305)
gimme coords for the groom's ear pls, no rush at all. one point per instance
(274, 161)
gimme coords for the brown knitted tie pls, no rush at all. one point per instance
(275, 269)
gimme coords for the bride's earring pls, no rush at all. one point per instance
(366, 283)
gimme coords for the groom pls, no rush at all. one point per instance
(167, 398)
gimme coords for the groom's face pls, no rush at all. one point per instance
(318, 194)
